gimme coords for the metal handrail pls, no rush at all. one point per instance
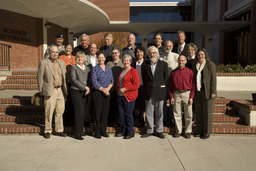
(5, 55)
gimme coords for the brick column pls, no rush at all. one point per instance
(252, 52)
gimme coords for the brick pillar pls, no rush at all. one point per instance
(252, 52)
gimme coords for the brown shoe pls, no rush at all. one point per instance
(188, 135)
(47, 135)
(61, 134)
(176, 135)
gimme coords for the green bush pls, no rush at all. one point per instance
(235, 68)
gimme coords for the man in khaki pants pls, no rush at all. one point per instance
(51, 79)
(182, 91)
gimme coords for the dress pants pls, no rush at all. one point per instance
(204, 113)
(101, 108)
(125, 109)
(157, 107)
(182, 99)
(56, 103)
(79, 103)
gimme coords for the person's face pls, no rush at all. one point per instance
(54, 53)
(115, 54)
(181, 38)
(68, 49)
(201, 57)
(59, 41)
(168, 47)
(131, 40)
(182, 61)
(126, 62)
(80, 59)
(152, 55)
(191, 51)
(93, 49)
(108, 40)
(84, 42)
(158, 40)
(139, 54)
(101, 59)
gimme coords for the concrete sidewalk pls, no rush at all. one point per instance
(221, 152)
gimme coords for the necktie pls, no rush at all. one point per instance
(180, 50)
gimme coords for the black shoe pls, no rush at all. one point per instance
(47, 135)
(61, 134)
(98, 136)
(83, 134)
(205, 136)
(104, 135)
(197, 135)
(119, 134)
(146, 135)
(78, 136)
(160, 135)
(129, 136)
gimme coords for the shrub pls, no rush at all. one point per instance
(235, 68)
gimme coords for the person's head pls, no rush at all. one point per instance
(139, 53)
(182, 60)
(127, 60)
(80, 58)
(84, 40)
(168, 46)
(201, 55)
(54, 52)
(68, 48)
(108, 38)
(158, 39)
(153, 54)
(101, 58)
(93, 49)
(115, 54)
(181, 36)
(59, 39)
(192, 48)
(131, 39)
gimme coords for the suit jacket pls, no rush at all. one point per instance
(89, 62)
(209, 79)
(184, 51)
(109, 56)
(45, 77)
(154, 86)
(79, 78)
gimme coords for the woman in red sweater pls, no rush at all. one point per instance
(127, 85)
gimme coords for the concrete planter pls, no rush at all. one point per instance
(236, 81)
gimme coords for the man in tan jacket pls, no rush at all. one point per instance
(52, 85)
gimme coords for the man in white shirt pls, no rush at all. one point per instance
(91, 59)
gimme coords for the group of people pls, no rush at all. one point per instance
(128, 87)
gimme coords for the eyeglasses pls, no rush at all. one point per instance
(114, 53)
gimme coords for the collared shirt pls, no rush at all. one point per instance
(82, 68)
(153, 67)
(138, 68)
(129, 51)
(111, 64)
(101, 78)
(182, 79)
(93, 60)
(57, 73)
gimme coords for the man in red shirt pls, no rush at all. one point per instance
(182, 91)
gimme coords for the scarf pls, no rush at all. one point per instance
(199, 69)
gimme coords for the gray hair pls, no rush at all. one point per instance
(83, 35)
(153, 47)
(51, 46)
(181, 32)
(127, 56)
(168, 41)
(108, 35)
(130, 35)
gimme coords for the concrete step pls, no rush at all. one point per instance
(15, 109)
(16, 81)
(19, 87)
(21, 77)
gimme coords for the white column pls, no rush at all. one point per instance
(145, 40)
(45, 35)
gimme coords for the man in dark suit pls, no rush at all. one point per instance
(84, 41)
(182, 47)
(108, 47)
(51, 80)
(154, 74)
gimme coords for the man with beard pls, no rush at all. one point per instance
(154, 75)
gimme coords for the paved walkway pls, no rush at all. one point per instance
(221, 152)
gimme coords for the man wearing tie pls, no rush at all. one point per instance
(182, 48)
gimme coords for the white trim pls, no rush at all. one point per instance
(119, 22)
(141, 4)
(238, 9)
